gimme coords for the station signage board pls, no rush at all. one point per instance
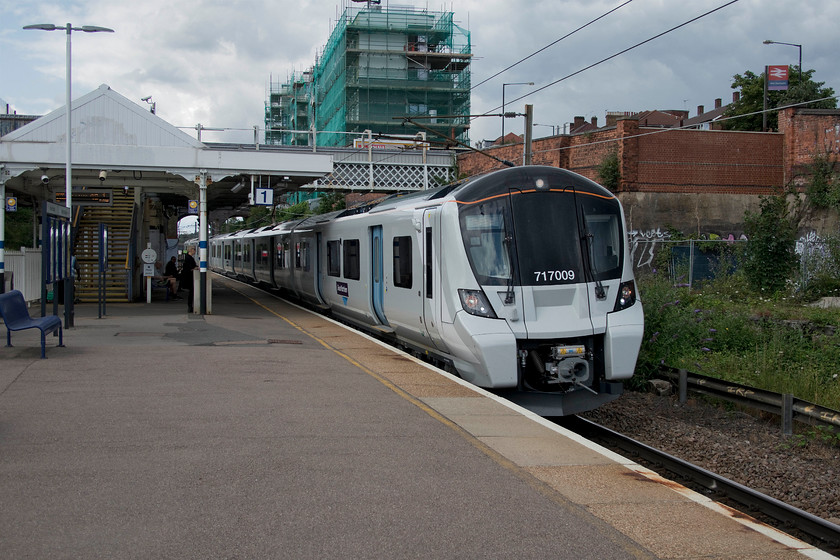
(777, 78)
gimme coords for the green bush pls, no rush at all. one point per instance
(770, 257)
(727, 330)
(609, 172)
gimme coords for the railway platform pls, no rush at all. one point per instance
(264, 431)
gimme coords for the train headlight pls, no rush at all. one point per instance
(626, 296)
(475, 302)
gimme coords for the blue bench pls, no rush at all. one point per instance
(16, 318)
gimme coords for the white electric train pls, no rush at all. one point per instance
(519, 281)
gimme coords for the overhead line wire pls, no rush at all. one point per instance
(532, 92)
(551, 44)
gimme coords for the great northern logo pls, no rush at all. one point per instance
(342, 289)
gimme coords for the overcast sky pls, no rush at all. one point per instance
(210, 61)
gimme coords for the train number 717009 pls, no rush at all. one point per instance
(554, 275)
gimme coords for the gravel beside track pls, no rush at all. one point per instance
(798, 470)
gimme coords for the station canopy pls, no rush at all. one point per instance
(138, 149)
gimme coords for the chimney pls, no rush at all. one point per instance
(736, 96)
(595, 122)
(579, 121)
(718, 103)
(700, 110)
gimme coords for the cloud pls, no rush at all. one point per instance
(210, 61)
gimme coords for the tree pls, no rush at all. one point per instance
(752, 92)
(329, 202)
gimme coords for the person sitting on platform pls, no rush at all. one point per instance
(170, 274)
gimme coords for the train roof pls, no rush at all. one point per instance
(528, 178)
(465, 191)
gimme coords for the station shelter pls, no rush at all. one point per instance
(137, 175)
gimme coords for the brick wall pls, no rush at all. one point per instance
(657, 159)
(808, 132)
(695, 161)
(697, 181)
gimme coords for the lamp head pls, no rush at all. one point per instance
(43, 26)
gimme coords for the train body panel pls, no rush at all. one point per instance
(347, 249)
(622, 340)
(519, 279)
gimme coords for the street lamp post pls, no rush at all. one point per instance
(68, 181)
(769, 42)
(503, 102)
(68, 172)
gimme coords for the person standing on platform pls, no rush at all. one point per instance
(187, 276)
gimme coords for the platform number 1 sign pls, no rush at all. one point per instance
(264, 197)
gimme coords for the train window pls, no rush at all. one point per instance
(402, 262)
(297, 254)
(605, 238)
(351, 259)
(334, 258)
(228, 251)
(246, 252)
(280, 256)
(484, 229)
(261, 253)
(304, 251)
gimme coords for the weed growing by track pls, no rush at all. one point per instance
(725, 329)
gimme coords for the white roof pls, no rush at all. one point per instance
(111, 132)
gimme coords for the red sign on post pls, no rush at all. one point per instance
(777, 78)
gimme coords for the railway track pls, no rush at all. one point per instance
(810, 528)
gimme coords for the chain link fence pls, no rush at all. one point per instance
(694, 260)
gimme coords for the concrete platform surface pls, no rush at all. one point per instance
(264, 431)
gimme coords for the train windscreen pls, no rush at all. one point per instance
(561, 238)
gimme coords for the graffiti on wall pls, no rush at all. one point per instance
(816, 256)
(643, 245)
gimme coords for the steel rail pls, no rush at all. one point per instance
(825, 533)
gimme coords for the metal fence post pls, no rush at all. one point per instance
(787, 414)
(683, 386)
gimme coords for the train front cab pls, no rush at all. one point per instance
(554, 289)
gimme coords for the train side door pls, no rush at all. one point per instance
(318, 268)
(430, 251)
(377, 277)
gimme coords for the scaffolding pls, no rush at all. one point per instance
(379, 63)
(287, 110)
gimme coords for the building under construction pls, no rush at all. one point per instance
(379, 63)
